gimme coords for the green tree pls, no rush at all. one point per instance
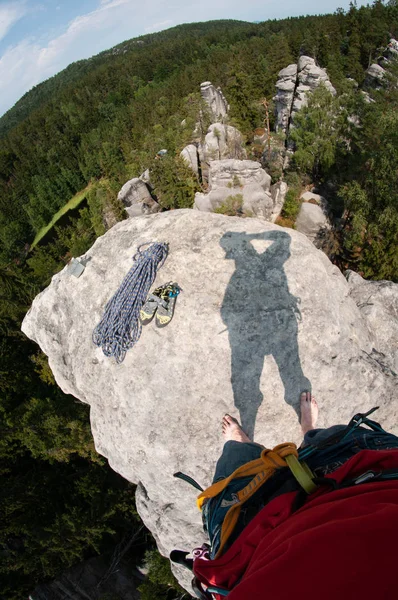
(316, 133)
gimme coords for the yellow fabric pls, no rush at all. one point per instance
(302, 473)
(262, 469)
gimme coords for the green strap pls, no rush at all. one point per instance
(302, 473)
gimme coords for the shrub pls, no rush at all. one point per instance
(161, 583)
(232, 206)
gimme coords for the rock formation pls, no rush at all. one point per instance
(137, 198)
(285, 86)
(191, 157)
(377, 301)
(221, 142)
(215, 100)
(374, 76)
(294, 84)
(312, 221)
(231, 177)
(263, 315)
(392, 49)
(278, 193)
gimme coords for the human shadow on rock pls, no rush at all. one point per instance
(261, 316)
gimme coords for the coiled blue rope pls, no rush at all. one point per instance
(120, 327)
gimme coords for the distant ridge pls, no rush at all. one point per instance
(42, 92)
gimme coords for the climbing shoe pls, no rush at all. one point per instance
(167, 304)
(150, 307)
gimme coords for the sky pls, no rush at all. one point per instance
(39, 38)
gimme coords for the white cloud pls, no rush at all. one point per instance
(28, 63)
(159, 26)
(10, 13)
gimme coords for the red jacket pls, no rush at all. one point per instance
(340, 545)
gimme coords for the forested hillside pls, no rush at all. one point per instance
(101, 122)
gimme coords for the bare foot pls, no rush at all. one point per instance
(309, 412)
(231, 430)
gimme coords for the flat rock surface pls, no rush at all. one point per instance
(263, 315)
(378, 303)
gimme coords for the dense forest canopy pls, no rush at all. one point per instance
(101, 122)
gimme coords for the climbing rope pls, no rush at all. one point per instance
(120, 327)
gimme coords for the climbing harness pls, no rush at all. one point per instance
(253, 475)
(259, 471)
(120, 327)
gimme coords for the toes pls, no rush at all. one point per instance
(305, 397)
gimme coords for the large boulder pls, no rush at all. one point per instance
(263, 315)
(215, 100)
(313, 221)
(190, 155)
(221, 141)
(244, 178)
(392, 49)
(278, 193)
(375, 75)
(137, 198)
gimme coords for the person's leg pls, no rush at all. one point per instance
(309, 416)
(238, 449)
(308, 411)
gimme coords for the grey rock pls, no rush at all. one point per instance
(231, 177)
(222, 141)
(245, 283)
(215, 101)
(278, 193)
(137, 198)
(313, 221)
(285, 86)
(309, 76)
(146, 177)
(377, 302)
(312, 197)
(190, 155)
(294, 85)
(367, 97)
(392, 49)
(374, 76)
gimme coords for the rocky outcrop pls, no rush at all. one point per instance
(221, 141)
(238, 177)
(137, 198)
(278, 193)
(263, 315)
(392, 49)
(294, 84)
(146, 177)
(191, 157)
(377, 302)
(313, 220)
(285, 86)
(215, 100)
(374, 76)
